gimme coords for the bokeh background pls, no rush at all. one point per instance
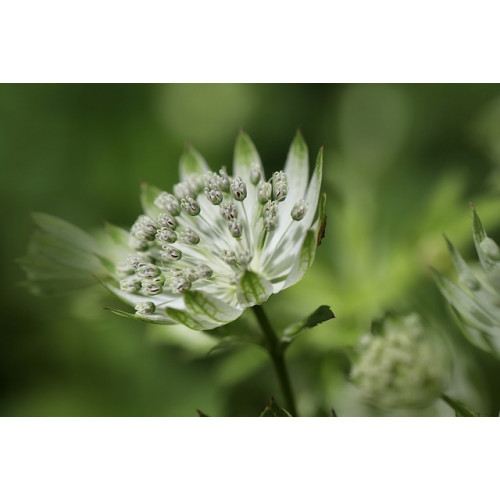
(402, 162)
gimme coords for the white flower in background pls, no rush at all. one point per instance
(202, 254)
(475, 298)
(400, 365)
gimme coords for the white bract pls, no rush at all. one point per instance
(475, 297)
(217, 244)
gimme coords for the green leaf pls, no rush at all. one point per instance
(210, 309)
(320, 315)
(192, 163)
(253, 289)
(148, 196)
(273, 410)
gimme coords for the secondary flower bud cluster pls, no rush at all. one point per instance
(401, 366)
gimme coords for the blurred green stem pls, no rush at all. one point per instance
(277, 357)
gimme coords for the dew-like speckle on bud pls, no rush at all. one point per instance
(270, 216)
(229, 211)
(168, 202)
(166, 220)
(144, 308)
(238, 189)
(170, 253)
(151, 287)
(255, 173)
(204, 271)
(229, 257)
(299, 210)
(235, 228)
(490, 248)
(130, 285)
(165, 235)
(280, 186)
(189, 237)
(190, 206)
(264, 192)
(148, 271)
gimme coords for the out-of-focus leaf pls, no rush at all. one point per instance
(460, 409)
(320, 315)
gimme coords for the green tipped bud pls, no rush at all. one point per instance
(229, 257)
(170, 253)
(264, 192)
(166, 220)
(255, 173)
(151, 287)
(189, 237)
(271, 215)
(229, 211)
(238, 189)
(224, 180)
(148, 271)
(235, 228)
(214, 196)
(280, 186)
(164, 235)
(190, 206)
(299, 210)
(130, 285)
(144, 308)
(204, 272)
(168, 202)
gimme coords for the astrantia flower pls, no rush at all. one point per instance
(213, 246)
(399, 364)
(476, 296)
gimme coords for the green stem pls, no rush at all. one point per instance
(460, 409)
(277, 357)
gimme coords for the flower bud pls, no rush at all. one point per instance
(144, 308)
(168, 202)
(229, 211)
(264, 192)
(238, 189)
(299, 210)
(190, 206)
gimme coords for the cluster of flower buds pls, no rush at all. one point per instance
(400, 364)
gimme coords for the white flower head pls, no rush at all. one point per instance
(218, 244)
(399, 364)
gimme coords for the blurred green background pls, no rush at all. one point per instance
(401, 164)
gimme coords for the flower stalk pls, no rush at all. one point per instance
(277, 357)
